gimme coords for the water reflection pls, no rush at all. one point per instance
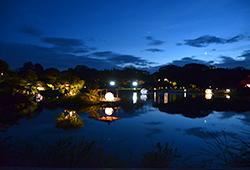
(199, 106)
(69, 119)
(228, 96)
(154, 124)
(134, 97)
(109, 111)
(155, 95)
(144, 97)
(208, 96)
(100, 113)
(165, 97)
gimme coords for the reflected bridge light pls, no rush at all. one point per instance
(134, 98)
(134, 83)
(109, 97)
(109, 111)
(144, 97)
(208, 96)
(112, 83)
(228, 96)
(165, 100)
(144, 91)
(155, 96)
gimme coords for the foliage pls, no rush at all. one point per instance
(199, 75)
(67, 121)
(92, 96)
(161, 157)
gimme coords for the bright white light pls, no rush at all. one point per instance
(208, 96)
(228, 90)
(134, 98)
(248, 85)
(1, 74)
(109, 97)
(185, 94)
(134, 83)
(144, 97)
(112, 83)
(208, 91)
(205, 53)
(39, 97)
(144, 91)
(109, 111)
(228, 96)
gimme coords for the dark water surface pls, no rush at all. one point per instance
(158, 130)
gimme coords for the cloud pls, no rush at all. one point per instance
(62, 42)
(240, 61)
(154, 50)
(188, 60)
(153, 41)
(16, 54)
(32, 31)
(121, 59)
(206, 40)
(68, 45)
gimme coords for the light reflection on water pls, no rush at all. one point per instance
(186, 121)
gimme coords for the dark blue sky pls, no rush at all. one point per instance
(113, 33)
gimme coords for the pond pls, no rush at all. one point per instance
(161, 129)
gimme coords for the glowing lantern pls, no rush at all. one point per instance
(144, 91)
(109, 97)
(208, 91)
(109, 111)
(39, 97)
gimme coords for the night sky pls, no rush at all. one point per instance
(118, 33)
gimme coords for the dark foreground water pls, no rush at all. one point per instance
(158, 130)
